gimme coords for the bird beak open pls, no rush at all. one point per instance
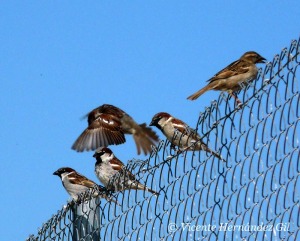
(262, 60)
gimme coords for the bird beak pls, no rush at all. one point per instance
(56, 173)
(262, 60)
(95, 155)
(152, 123)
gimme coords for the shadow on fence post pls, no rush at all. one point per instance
(86, 225)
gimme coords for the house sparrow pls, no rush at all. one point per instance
(76, 184)
(234, 76)
(180, 134)
(113, 173)
(107, 125)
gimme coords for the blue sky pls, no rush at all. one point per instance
(59, 60)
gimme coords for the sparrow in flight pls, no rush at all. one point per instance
(180, 134)
(76, 184)
(107, 125)
(113, 173)
(234, 77)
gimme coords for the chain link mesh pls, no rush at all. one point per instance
(254, 195)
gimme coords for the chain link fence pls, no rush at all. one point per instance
(254, 195)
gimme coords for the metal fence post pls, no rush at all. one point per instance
(86, 225)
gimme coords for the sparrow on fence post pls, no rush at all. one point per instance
(107, 125)
(234, 77)
(76, 184)
(113, 173)
(180, 134)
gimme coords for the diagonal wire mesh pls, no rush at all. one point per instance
(254, 195)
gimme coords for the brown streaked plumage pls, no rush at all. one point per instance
(234, 76)
(76, 184)
(113, 173)
(180, 134)
(107, 125)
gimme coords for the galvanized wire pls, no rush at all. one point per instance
(254, 195)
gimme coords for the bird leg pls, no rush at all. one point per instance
(177, 151)
(173, 147)
(238, 102)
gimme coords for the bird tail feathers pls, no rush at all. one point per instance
(197, 94)
(143, 187)
(144, 139)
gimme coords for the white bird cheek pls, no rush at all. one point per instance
(106, 158)
(63, 176)
(162, 122)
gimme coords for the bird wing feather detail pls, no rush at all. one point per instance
(235, 68)
(78, 179)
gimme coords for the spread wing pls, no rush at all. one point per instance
(104, 130)
(105, 109)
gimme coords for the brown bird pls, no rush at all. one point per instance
(107, 125)
(76, 184)
(234, 77)
(113, 173)
(180, 134)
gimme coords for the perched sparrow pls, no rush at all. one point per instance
(107, 126)
(180, 134)
(113, 173)
(234, 76)
(76, 184)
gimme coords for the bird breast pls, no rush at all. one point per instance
(236, 82)
(104, 173)
(174, 136)
(74, 189)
